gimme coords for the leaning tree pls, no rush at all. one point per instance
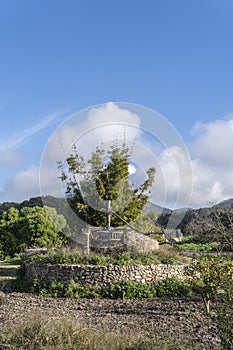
(101, 186)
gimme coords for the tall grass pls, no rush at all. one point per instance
(50, 333)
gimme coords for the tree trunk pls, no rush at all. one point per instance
(207, 304)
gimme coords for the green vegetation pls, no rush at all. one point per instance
(169, 287)
(104, 178)
(225, 314)
(193, 244)
(67, 256)
(213, 225)
(30, 227)
(205, 225)
(15, 260)
(210, 275)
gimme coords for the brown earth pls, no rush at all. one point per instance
(181, 319)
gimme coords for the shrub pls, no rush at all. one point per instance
(173, 287)
(168, 287)
(62, 256)
(129, 289)
(209, 275)
(192, 243)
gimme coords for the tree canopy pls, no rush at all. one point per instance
(30, 227)
(91, 185)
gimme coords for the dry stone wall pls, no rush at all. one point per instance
(102, 275)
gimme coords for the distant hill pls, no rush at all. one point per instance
(225, 203)
(50, 201)
(154, 208)
(60, 204)
(186, 221)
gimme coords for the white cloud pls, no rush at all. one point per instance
(9, 157)
(213, 142)
(212, 161)
(212, 168)
(99, 125)
(22, 186)
(173, 183)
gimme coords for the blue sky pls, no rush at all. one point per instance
(173, 56)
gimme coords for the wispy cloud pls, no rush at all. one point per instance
(24, 135)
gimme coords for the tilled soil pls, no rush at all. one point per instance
(181, 319)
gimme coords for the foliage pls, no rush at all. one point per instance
(208, 275)
(169, 287)
(192, 243)
(225, 315)
(66, 256)
(158, 237)
(104, 177)
(9, 226)
(30, 227)
(213, 225)
(146, 222)
(169, 255)
(15, 260)
(171, 219)
(129, 289)
(173, 287)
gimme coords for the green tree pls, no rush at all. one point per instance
(209, 275)
(9, 225)
(30, 227)
(103, 181)
(41, 227)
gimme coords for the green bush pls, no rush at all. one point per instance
(169, 260)
(129, 289)
(75, 290)
(62, 256)
(15, 260)
(168, 287)
(95, 259)
(192, 243)
(169, 255)
(173, 287)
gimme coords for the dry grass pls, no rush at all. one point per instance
(45, 332)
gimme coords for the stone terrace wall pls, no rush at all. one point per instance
(102, 275)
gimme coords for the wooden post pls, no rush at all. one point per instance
(108, 213)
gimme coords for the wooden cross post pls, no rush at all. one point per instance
(108, 213)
